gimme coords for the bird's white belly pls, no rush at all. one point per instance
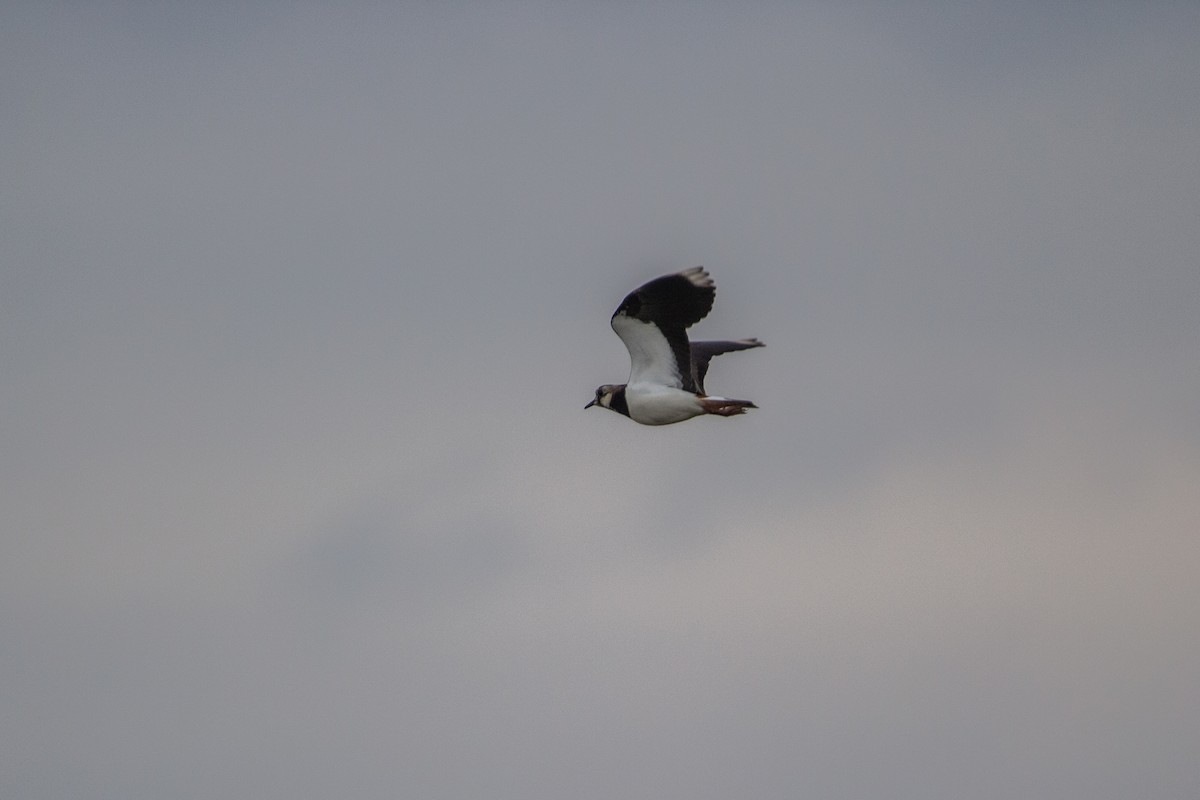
(654, 404)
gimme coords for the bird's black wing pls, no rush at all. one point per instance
(671, 303)
(702, 353)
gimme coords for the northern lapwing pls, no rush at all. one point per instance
(666, 376)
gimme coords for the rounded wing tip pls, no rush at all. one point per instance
(698, 277)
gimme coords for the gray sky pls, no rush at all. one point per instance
(300, 307)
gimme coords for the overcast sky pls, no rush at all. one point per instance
(300, 306)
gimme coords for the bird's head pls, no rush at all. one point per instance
(604, 396)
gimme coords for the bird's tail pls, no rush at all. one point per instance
(725, 407)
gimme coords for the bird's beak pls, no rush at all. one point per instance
(589, 405)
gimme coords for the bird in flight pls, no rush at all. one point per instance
(666, 376)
